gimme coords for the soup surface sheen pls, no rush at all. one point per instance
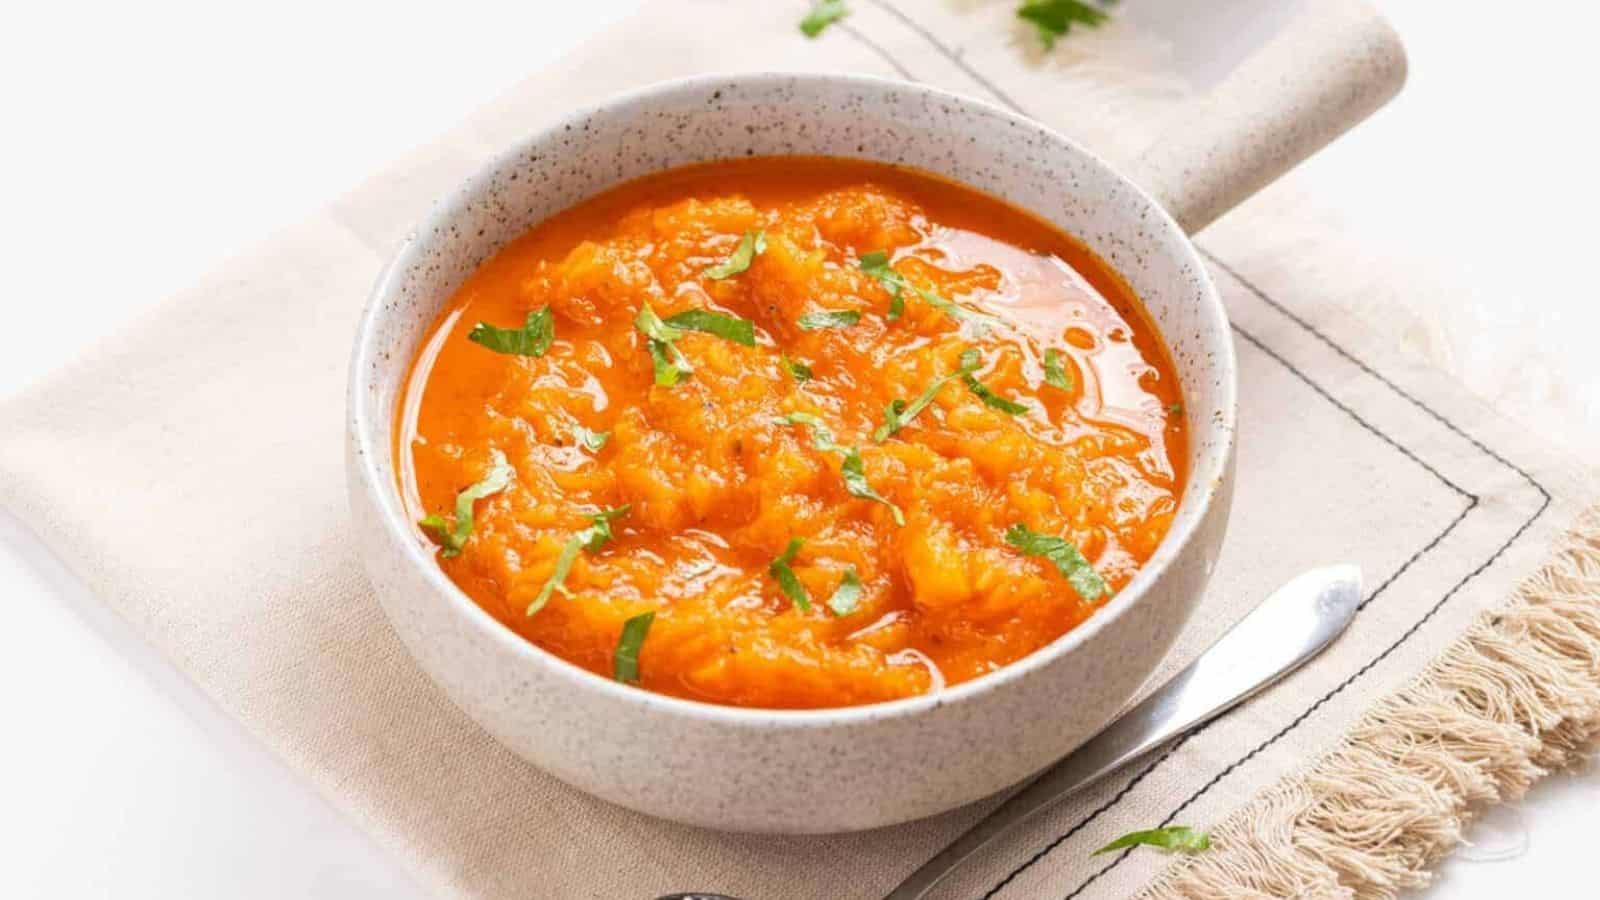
(718, 481)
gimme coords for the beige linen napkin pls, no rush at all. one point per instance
(190, 471)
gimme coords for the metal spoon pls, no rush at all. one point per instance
(1290, 627)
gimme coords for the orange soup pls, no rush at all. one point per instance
(793, 432)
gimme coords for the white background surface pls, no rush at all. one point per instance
(148, 142)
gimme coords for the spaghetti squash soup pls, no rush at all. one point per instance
(792, 432)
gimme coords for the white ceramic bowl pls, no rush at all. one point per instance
(791, 771)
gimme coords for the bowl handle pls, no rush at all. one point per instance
(1333, 65)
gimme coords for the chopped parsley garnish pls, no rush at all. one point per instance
(452, 539)
(1055, 371)
(853, 470)
(591, 539)
(833, 318)
(898, 414)
(877, 265)
(823, 13)
(595, 536)
(751, 245)
(1054, 18)
(1179, 838)
(847, 594)
(729, 328)
(788, 582)
(1068, 560)
(855, 483)
(821, 436)
(799, 371)
(670, 365)
(532, 339)
(625, 660)
(1175, 408)
(970, 360)
(590, 440)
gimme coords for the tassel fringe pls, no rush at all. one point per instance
(1517, 697)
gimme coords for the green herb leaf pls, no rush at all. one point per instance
(751, 245)
(625, 660)
(876, 264)
(591, 539)
(1177, 838)
(592, 440)
(898, 414)
(970, 360)
(847, 594)
(532, 339)
(558, 575)
(894, 414)
(993, 400)
(823, 13)
(1066, 557)
(653, 328)
(1055, 371)
(1054, 18)
(670, 365)
(787, 581)
(799, 371)
(729, 328)
(833, 318)
(595, 536)
(452, 539)
(855, 483)
(852, 470)
(821, 436)
(1175, 408)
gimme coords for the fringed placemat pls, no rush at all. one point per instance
(190, 471)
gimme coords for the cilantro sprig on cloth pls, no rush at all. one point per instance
(1173, 838)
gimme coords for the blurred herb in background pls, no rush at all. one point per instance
(823, 13)
(1052, 19)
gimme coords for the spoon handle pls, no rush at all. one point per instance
(1290, 627)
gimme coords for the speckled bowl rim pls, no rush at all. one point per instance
(1201, 489)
